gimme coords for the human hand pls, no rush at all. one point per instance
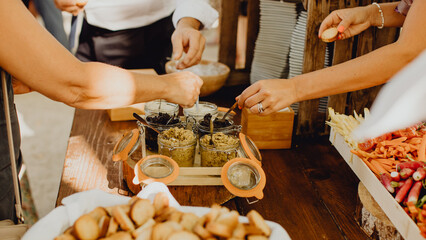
(273, 94)
(20, 87)
(72, 6)
(350, 21)
(184, 88)
(186, 38)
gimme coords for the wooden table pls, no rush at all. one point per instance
(310, 189)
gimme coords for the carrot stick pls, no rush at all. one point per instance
(379, 167)
(389, 168)
(422, 149)
(371, 167)
(386, 161)
(395, 141)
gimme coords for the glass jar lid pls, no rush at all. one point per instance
(244, 178)
(160, 105)
(250, 149)
(155, 168)
(127, 144)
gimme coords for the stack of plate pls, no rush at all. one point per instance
(277, 21)
(297, 48)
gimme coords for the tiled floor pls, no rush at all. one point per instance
(45, 127)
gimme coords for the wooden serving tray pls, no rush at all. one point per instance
(400, 219)
(188, 176)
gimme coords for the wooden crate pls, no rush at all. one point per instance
(126, 113)
(400, 219)
(273, 131)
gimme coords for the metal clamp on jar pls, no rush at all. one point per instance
(129, 149)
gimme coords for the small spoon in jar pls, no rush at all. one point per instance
(211, 132)
(171, 119)
(141, 120)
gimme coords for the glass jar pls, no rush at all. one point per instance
(219, 151)
(179, 144)
(203, 108)
(228, 130)
(161, 106)
(151, 136)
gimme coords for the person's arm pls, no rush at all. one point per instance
(369, 70)
(352, 21)
(187, 38)
(34, 57)
(189, 17)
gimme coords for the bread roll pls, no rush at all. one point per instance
(122, 218)
(183, 235)
(141, 210)
(330, 35)
(257, 220)
(86, 228)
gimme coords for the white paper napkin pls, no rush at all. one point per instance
(59, 219)
(400, 104)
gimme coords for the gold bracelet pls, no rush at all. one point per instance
(381, 15)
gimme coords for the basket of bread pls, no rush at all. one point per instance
(152, 214)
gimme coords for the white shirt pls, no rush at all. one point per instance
(125, 14)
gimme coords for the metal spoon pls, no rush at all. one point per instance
(140, 119)
(174, 115)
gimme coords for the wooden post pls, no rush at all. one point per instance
(253, 15)
(342, 53)
(308, 122)
(228, 32)
(369, 40)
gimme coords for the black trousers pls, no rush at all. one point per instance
(144, 47)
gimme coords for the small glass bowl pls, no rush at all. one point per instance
(157, 168)
(243, 176)
(159, 105)
(203, 109)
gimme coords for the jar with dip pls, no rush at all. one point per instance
(198, 111)
(179, 144)
(161, 122)
(217, 149)
(243, 177)
(225, 126)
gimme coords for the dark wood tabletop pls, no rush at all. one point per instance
(310, 191)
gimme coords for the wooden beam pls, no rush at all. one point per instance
(228, 32)
(342, 53)
(238, 77)
(253, 15)
(370, 40)
(313, 60)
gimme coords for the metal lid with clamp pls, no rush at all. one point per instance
(244, 177)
